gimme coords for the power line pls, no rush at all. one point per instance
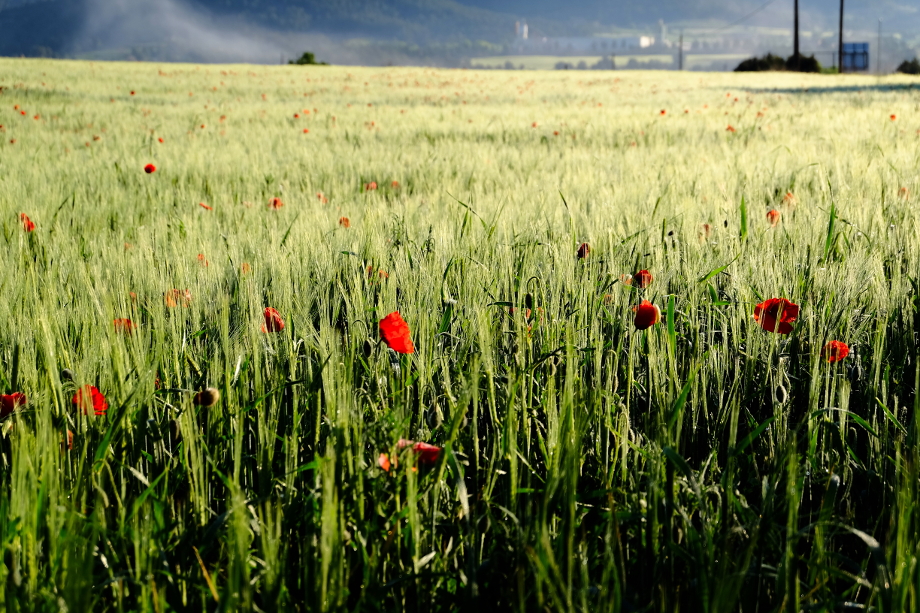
(734, 23)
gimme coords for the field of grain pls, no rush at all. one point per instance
(196, 261)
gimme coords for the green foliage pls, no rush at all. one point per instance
(909, 66)
(775, 62)
(703, 464)
(759, 64)
(307, 59)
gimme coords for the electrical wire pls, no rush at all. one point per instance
(734, 23)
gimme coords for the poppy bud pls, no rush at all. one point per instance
(207, 397)
(781, 395)
(66, 375)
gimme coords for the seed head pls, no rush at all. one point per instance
(207, 397)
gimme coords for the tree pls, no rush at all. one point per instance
(307, 59)
(910, 67)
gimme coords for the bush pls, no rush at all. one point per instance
(807, 63)
(307, 59)
(760, 64)
(775, 62)
(910, 67)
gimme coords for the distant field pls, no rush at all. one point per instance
(548, 62)
(664, 332)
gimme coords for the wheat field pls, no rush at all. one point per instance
(178, 447)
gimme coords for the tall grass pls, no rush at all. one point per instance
(703, 464)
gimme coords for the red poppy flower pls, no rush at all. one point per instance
(132, 92)
(322, 198)
(395, 333)
(426, 453)
(380, 273)
(150, 168)
(789, 198)
(27, 224)
(306, 130)
(776, 315)
(643, 279)
(370, 186)
(246, 268)
(773, 217)
(835, 351)
(203, 260)
(125, 326)
(273, 321)
(394, 184)
(583, 250)
(663, 112)
(205, 207)
(296, 116)
(647, 315)
(383, 461)
(730, 129)
(893, 117)
(175, 297)
(88, 397)
(344, 222)
(160, 139)
(275, 203)
(10, 402)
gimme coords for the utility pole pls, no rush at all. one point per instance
(840, 41)
(680, 53)
(878, 49)
(795, 38)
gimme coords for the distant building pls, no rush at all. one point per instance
(594, 45)
(520, 30)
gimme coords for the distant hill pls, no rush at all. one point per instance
(413, 30)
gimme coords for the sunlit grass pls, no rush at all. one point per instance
(702, 464)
